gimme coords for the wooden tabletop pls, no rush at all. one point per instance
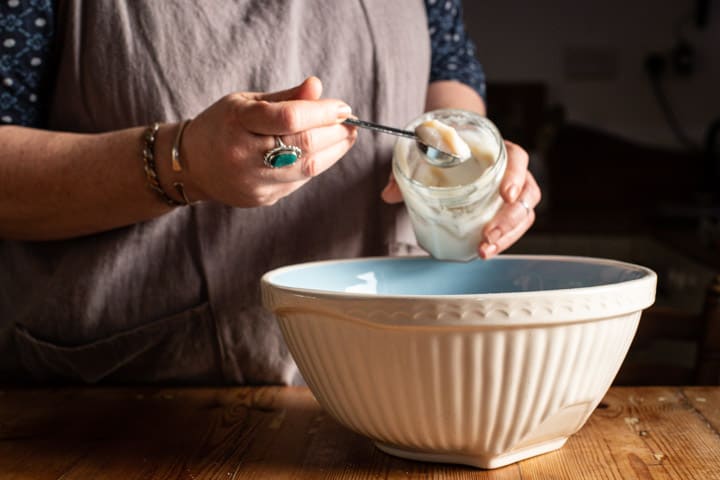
(274, 432)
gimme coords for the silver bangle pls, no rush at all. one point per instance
(176, 164)
(151, 174)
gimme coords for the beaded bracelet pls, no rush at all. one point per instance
(151, 172)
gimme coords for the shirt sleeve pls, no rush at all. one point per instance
(453, 52)
(26, 32)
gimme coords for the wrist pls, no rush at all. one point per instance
(176, 181)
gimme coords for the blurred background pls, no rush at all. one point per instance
(618, 104)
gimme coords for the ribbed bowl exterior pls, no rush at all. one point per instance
(482, 379)
(467, 391)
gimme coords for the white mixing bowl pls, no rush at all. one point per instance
(482, 363)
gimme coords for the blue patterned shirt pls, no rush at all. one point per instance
(453, 52)
(27, 31)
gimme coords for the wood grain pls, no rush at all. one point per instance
(272, 432)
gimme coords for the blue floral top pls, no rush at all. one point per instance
(27, 30)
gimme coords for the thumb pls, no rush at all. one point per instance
(309, 89)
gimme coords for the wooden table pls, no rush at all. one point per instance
(274, 432)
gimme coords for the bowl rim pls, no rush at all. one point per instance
(649, 276)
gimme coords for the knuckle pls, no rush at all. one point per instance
(270, 201)
(309, 166)
(517, 152)
(289, 117)
(236, 104)
(493, 232)
(259, 196)
(265, 201)
(234, 98)
(305, 141)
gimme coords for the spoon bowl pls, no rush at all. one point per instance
(434, 156)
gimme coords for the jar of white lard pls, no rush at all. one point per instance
(449, 207)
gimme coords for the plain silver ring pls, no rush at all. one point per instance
(525, 204)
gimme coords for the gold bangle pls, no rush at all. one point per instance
(151, 174)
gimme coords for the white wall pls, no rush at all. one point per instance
(526, 40)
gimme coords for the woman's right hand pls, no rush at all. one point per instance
(59, 185)
(223, 148)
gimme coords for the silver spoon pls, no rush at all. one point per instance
(435, 156)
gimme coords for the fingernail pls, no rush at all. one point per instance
(493, 235)
(512, 192)
(344, 111)
(487, 250)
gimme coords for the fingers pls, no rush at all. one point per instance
(286, 112)
(318, 139)
(506, 239)
(320, 161)
(514, 178)
(512, 220)
(391, 193)
(520, 193)
(510, 187)
(310, 89)
(232, 136)
(288, 117)
(321, 148)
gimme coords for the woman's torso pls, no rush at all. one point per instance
(177, 298)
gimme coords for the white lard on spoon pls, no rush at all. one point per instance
(479, 146)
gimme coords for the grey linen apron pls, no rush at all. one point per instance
(176, 299)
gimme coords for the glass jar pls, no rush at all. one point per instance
(449, 207)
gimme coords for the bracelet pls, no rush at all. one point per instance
(180, 188)
(153, 180)
(176, 164)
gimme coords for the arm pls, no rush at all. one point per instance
(458, 81)
(59, 185)
(513, 219)
(453, 94)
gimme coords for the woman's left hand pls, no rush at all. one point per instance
(520, 193)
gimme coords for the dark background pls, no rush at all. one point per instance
(618, 103)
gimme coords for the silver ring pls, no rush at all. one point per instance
(525, 205)
(282, 155)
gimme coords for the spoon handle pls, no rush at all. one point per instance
(380, 128)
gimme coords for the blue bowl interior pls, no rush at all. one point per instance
(426, 276)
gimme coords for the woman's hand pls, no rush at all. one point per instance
(59, 185)
(520, 193)
(224, 146)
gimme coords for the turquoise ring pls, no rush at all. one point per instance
(282, 155)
